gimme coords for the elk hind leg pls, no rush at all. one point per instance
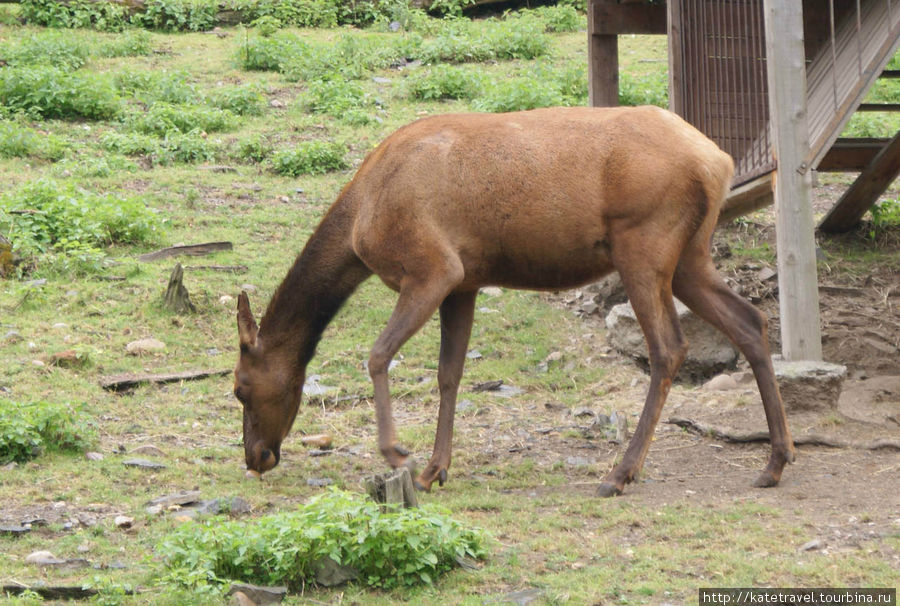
(702, 289)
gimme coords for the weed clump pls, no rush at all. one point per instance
(165, 118)
(27, 430)
(18, 141)
(50, 92)
(310, 158)
(385, 548)
(445, 82)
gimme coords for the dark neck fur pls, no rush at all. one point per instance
(324, 275)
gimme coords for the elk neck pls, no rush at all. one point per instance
(323, 276)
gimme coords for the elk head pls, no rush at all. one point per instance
(269, 387)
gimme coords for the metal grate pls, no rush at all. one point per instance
(723, 73)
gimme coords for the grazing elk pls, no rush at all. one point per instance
(545, 199)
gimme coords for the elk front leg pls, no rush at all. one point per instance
(418, 300)
(457, 313)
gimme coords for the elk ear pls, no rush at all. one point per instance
(247, 327)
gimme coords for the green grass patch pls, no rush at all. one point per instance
(30, 429)
(50, 92)
(17, 141)
(387, 548)
(310, 158)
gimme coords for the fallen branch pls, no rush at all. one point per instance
(126, 382)
(235, 269)
(193, 250)
(728, 435)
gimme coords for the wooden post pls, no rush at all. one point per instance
(393, 488)
(676, 56)
(797, 280)
(864, 192)
(603, 67)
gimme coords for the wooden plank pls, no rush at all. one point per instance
(610, 18)
(864, 192)
(890, 73)
(748, 197)
(190, 249)
(676, 57)
(797, 280)
(130, 381)
(878, 107)
(603, 64)
(851, 154)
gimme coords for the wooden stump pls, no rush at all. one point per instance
(177, 298)
(392, 488)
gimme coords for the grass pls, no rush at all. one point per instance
(147, 127)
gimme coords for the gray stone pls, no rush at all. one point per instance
(721, 383)
(123, 522)
(319, 482)
(811, 545)
(259, 594)
(43, 558)
(14, 530)
(331, 574)
(709, 352)
(145, 346)
(234, 506)
(523, 597)
(182, 497)
(148, 449)
(609, 292)
(93, 456)
(143, 464)
(807, 385)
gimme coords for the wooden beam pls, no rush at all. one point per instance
(798, 296)
(676, 57)
(748, 197)
(603, 68)
(878, 107)
(610, 17)
(851, 154)
(864, 192)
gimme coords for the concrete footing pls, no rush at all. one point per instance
(807, 385)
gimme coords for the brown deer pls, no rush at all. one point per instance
(546, 199)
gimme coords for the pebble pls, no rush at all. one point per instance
(258, 594)
(93, 456)
(145, 346)
(248, 287)
(43, 558)
(148, 449)
(492, 291)
(123, 522)
(319, 482)
(226, 300)
(811, 545)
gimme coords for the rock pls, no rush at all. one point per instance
(744, 377)
(811, 545)
(145, 346)
(380, 80)
(492, 291)
(578, 462)
(182, 497)
(608, 292)
(239, 598)
(12, 336)
(14, 530)
(143, 464)
(258, 594)
(149, 450)
(721, 383)
(583, 411)
(312, 388)
(93, 456)
(123, 522)
(248, 287)
(523, 597)
(473, 354)
(319, 440)
(809, 385)
(234, 506)
(319, 452)
(226, 300)
(709, 353)
(276, 103)
(319, 482)
(331, 574)
(43, 558)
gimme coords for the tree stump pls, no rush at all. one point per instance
(177, 298)
(392, 488)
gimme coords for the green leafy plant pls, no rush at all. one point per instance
(386, 548)
(131, 43)
(560, 18)
(29, 429)
(647, 90)
(178, 15)
(255, 149)
(517, 94)
(164, 118)
(44, 215)
(51, 48)
(18, 141)
(246, 100)
(336, 97)
(310, 158)
(885, 216)
(445, 82)
(49, 92)
(109, 16)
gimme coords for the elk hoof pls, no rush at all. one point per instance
(442, 477)
(608, 489)
(765, 480)
(402, 451)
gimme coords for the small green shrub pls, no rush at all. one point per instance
(885, 217)
(246, 100)
(520, 93)
(255, 149)
(456, 43)
(335, 97)
(388, 549)
(178, 15)
(53, 215)
(151, 87)
(47, 92)
(50, 49)
(131, 43)
(647, 90)
(445, 82)
(459, 41)
(307, 13)
(560, 18)
(108, 16)
(21, 142)
(520, 36)
(163, 118)
(185, 148)
(131, 144)
(310, 158)
(269, 53)
(27, 430)
(450, 8)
